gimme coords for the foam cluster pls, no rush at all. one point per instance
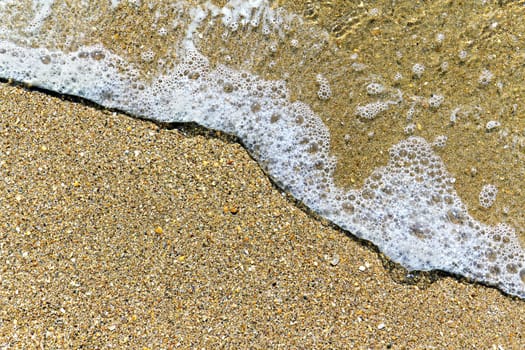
(324, 92)
(487, 196)
(485, 77)
(33, 17)
(418, 69)
(408, 208)
(372, 110)
(375, 89)
(440, 141)
(254, 13)
(435, 100)
(414, 215)
(410, 128)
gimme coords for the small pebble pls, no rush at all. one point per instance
(335, 260)
(493, 124)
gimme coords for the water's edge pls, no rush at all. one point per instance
(409, 208)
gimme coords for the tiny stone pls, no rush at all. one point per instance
(381, 326)
(335, 260)
(492, 125)
(362, 268)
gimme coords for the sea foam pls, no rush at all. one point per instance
(408, 208)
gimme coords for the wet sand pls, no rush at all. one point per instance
(118, 233)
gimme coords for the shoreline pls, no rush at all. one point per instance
(119, 233)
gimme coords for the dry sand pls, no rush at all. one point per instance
(118, 233)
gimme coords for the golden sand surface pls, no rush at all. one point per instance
(117, 233)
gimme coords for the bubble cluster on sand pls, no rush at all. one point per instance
(372, 110)
(408, 208)
(487, 196)
(324, 92)
(436, 100)
(418, 69)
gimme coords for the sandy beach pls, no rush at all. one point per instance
(117, 233)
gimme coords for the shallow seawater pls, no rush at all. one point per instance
(400, 121)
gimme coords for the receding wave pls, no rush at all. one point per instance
(408, 206)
